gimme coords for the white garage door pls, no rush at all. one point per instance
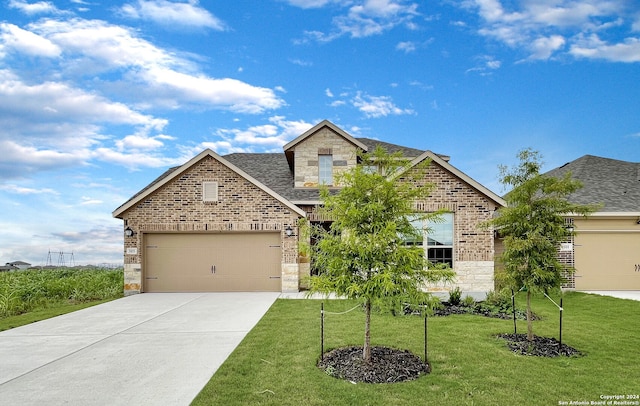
(238, 262)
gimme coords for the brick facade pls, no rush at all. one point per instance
(178, 207)
(473, 246)
(242, 206)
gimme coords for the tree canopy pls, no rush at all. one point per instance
(533, 225)
(365, 255)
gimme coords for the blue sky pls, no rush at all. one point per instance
(97, 100)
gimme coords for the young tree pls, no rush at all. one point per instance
(364, 255)
(533, 226)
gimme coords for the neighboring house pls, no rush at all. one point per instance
(230, 223)
(606, 248)
(19, 264)
(7, 268)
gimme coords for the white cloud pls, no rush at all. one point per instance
(328, 92)
(170, 13)
(377, 106)
(406, 46)
(309, 3)
(86, 200)
(21, 160)
(107, 46)
(58, 102)
(135, 159)
(40, 7)
(487, 64)
(270, 136)
(543, 28)
(26, 42)
(363, 18)
(226, 93)
(169, 80)
(636, 23)
(21, 190)
(64, 122)
(593, 47)
(543, 48)
(300, 62)
(139, 142)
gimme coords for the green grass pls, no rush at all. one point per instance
(276, 363)
(54, 310)
(36, 294)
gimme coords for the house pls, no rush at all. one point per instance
(19, 265)
(606, 248)
(230, 223)
(7, 268)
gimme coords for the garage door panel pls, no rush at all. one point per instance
(212, 262)
(607, 261)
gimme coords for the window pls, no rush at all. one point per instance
(325, 169)
(439, 237)
(440, 240)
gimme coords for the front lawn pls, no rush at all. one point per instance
(276, 363)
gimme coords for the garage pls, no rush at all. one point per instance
(607, 260)
(206, 262)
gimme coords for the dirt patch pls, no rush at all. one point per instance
(387, 365)
(539, 347)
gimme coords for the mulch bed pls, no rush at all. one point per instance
(387, 365)
(448, 309)
(539, 347)
(390, 365)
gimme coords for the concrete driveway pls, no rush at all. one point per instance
(148, 349)
(620, 294)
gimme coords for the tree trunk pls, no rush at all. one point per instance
(529, 318)
(366, 352)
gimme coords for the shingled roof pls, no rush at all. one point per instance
(272, 169)
(613, 183)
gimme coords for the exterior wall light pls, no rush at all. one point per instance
(129, 232)
(288, 231)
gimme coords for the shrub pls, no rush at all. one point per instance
(497, 302)
(468, 301)
(454, 296)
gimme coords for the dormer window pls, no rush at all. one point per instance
(325, 169)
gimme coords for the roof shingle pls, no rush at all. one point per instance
(613, 183)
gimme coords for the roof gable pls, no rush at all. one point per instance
(319, 126)
(173, 173)
(459, 174)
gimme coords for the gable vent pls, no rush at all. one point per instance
(209, 191)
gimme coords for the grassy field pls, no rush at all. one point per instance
(27, 296)
(275, 364)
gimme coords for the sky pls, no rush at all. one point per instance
(97, 99)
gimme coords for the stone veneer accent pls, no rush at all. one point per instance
(474, 278)
(323, 142)
(178, 207)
